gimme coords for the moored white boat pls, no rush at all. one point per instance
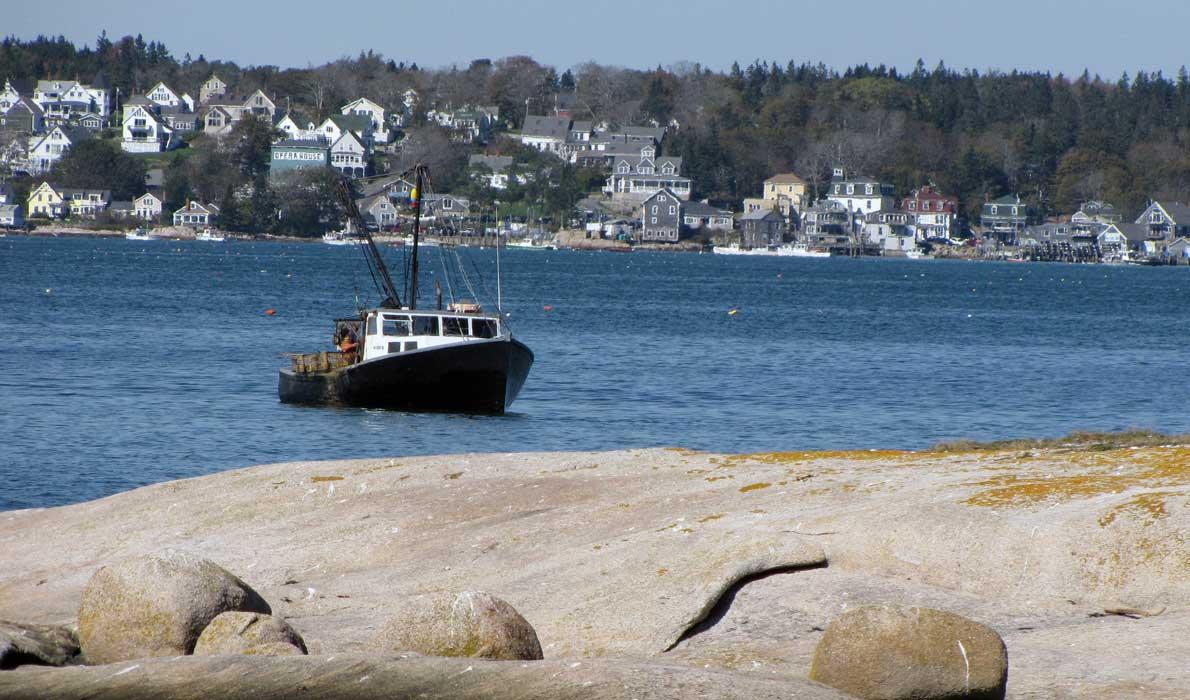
(344, 237)
(138, 235)
(801, 250)
(735, 249)
(209, 235)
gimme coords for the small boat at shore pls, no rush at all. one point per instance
(801, 250)
(138, 235)
(209, 235)
(343, 237)
(456, 358)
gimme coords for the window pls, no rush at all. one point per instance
(673, 209)
(425, 325)
(925, 206)
(654, 209)
(454, 326)
(995, 209)
(850, 189)
(411, 345)
(1014, 211)
(867, 189)
(653, 220)
(396, 325)
(484, 327)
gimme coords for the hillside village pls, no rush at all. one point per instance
(527, 174)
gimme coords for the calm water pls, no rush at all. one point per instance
(129, 362)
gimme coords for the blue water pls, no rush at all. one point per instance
(126, 363)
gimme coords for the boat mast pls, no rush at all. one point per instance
(416, 196)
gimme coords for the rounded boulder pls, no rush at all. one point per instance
(252, 633)
(157, 606)
(890, 652)
(469, 624)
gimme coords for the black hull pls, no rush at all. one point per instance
(482, 376)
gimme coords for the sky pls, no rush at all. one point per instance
(1107, 37)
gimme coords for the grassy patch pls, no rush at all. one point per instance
(1078, 440)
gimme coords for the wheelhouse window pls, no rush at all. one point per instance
(484, 327)
(396, 325)
(453, 326)
(425, 325)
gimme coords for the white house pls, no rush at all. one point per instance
(367, 108)
(349, 155)
(147, 207)
(49, 148)
(546, 134)
(333, 127)
(493, 170)
(195, 214)
(145, 131)
(292, 126)
(862, 195)
(62, 98)
(164, 96)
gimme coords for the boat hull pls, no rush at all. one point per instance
(483, 376)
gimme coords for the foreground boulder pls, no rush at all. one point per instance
(472, 624)
(249, 633)
(157, 606)
(889, 652)
(46, 645)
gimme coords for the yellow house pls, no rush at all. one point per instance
(785, 190)
(45, 202)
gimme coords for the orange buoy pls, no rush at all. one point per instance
(270, 312)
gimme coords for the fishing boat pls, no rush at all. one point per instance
(209, 235)
(138, 235)
(455, 358)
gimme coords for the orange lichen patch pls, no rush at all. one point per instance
(755, 487)
(696, 472)
(317, 479)
(1111, 472)
(662, 572)
(1148, 507)
(709, 518)
(686, 530)
(808, 456)
(719, 478)
(684, 451)
(454, 475)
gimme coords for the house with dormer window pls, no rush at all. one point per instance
(164, 96)
(637, 178)
(1005, 219)
(85, 203)
(860, 194)
(196, 214)
(933, 214)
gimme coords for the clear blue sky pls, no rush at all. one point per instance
(1105, 36)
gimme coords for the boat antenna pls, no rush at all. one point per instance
(376, 266)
